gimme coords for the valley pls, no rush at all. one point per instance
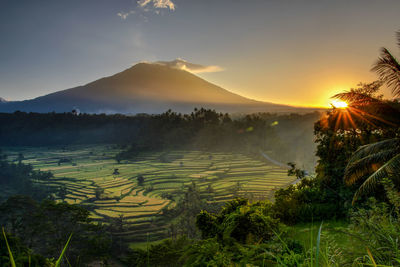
(90, 176)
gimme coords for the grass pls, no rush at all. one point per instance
(56, 264)
(335, 240)
(12, 261)
(143, 245)
(334, 229)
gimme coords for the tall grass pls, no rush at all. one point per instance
(12, 261)
(318, 246)
(56, 264)
(315, 256)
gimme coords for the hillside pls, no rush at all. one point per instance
(146, 88)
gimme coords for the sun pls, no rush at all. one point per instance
(339, 104)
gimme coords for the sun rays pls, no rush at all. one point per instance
(339, 104)
(349, 117)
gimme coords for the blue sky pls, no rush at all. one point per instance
(297, 52)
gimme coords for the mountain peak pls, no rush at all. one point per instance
(146, 88)
(181, 64)
(2, 100)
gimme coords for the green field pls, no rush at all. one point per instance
(92, 167)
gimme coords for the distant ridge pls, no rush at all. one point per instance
(2, 100)
(146, 88)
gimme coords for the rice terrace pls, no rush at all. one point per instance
(90, 176)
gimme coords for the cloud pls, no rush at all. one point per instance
(190, 67)
(144, 7)
(124, 15)
(157, 4)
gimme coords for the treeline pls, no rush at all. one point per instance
(285, 137)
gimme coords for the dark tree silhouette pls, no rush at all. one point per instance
(140, 180)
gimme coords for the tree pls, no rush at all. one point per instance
(388, 69)
(45, 226)
(21, 177)
(20, 158)
(140, 180)
(367, 119)
(382, 159)
(375, 160)
(98, 192)
(62, 192)
(293, 171)
(245, 223)
(2, 155)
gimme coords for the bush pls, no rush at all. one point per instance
(243, 222)
(378, 226)
(306, 202)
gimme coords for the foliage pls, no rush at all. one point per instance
(305, 202)
(140, 180)
(44, 227)
(22, 255)
(243, 222)
(388, 69)
(375, 162)
(338, 135)
(167, 253)
(378, 227)
(18, 178)
(293, 171)
(185, 211)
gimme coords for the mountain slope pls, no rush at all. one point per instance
(145, 88)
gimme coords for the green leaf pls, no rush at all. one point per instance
(390, 169)
(318, 245)
(58, 262)
(371, 257)
(367, 165)
(9, 250)
(366, 150)
(388, 69)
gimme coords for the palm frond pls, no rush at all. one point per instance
(356, 98)
(366, 150)
(390, 169)
(369, 164)
(388, 69)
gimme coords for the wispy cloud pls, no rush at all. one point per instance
(144, 6)
(157, 4)
(190, 67)
(124, 15)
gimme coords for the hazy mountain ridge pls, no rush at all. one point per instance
(146, 88)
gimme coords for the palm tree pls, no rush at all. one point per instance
(382, 159)
(388, 69)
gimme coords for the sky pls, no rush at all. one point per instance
(297, 52)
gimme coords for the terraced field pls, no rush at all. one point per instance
(93, 178)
